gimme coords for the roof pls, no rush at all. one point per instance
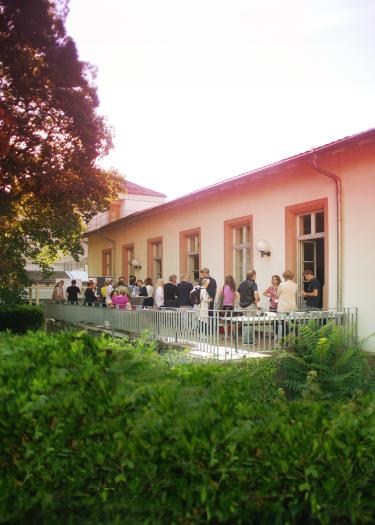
(136, 189)
(36, 276)
(269, 169)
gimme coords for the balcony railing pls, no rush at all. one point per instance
(219, 336)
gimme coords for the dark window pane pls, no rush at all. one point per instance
(305, 224)
(308, 252)
(319, 222)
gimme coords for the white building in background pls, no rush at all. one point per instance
(132, 198)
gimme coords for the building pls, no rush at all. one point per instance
(313, 210)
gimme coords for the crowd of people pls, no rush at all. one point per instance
(203, 295)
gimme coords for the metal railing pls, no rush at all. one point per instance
(220, 335)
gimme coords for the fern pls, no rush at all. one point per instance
(340, 365)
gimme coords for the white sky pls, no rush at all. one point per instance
(199, 91)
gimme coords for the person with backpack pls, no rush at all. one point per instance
(249, 298)
(195, 295)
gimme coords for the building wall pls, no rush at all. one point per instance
(266, 200)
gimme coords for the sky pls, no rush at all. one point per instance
(200, 91)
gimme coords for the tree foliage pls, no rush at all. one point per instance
(51, 137)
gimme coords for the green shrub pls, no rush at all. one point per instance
(324, 362)
(96, 431)
(20, 318)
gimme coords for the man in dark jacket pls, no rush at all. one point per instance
(183, 290)
(170, 289)
(249, 298)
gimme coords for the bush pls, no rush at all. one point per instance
(325, 362)
(21, 318)
(96, 431)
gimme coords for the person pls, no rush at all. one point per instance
(229, 294)
(170, 300)
(121, 281)
(149, 300)
(271, 292)
(249, 299)
(313, 293)
(90, 297)
(183, 290)
(194, 293)
(134, 290)
(105, 291)
(159, 293)
(109, 300)
(121, 299)
(72, 293)
(58, 292)
(211, 289)
(286, 293)
(203, 308)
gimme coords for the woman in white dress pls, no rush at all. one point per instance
(159, 293)
(204, 305)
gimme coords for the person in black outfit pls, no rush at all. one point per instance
(211, 288)
(313, 294)
(72, 293)
(90, 297)
(170, 292)
(183, 290)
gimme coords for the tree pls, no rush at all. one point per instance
(51, 138)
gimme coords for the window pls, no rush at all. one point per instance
(127, 257)
(193, 256)
(238, 248)
(190, 252)
(311, 223)
(107, 262)
(155, 258)
(306, 243)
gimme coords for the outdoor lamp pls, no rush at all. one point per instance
(137, 264)
(263, 247)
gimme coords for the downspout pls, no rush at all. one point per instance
(338, 185)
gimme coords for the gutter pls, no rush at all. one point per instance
(338, 184)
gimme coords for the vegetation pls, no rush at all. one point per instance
(51, 137)
(21, 318)
(325, 362)
(102, 431)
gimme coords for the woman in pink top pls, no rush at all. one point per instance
(229, 293)
(229, 296)
(121, 300)
(271, 292)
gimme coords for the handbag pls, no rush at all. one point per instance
(220, 299)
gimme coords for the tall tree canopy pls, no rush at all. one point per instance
(51, 138)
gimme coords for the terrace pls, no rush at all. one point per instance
(217, 336)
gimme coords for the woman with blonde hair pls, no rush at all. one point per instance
(58, 292)
(159, 293)
(286, 293)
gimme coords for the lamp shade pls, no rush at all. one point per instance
(262, 246)
(136, 262)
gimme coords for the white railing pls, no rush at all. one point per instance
(221, 335)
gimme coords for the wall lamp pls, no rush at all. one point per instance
(136, 263)
(263, 247)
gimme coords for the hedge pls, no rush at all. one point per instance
(96, 431)
(20, 318)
